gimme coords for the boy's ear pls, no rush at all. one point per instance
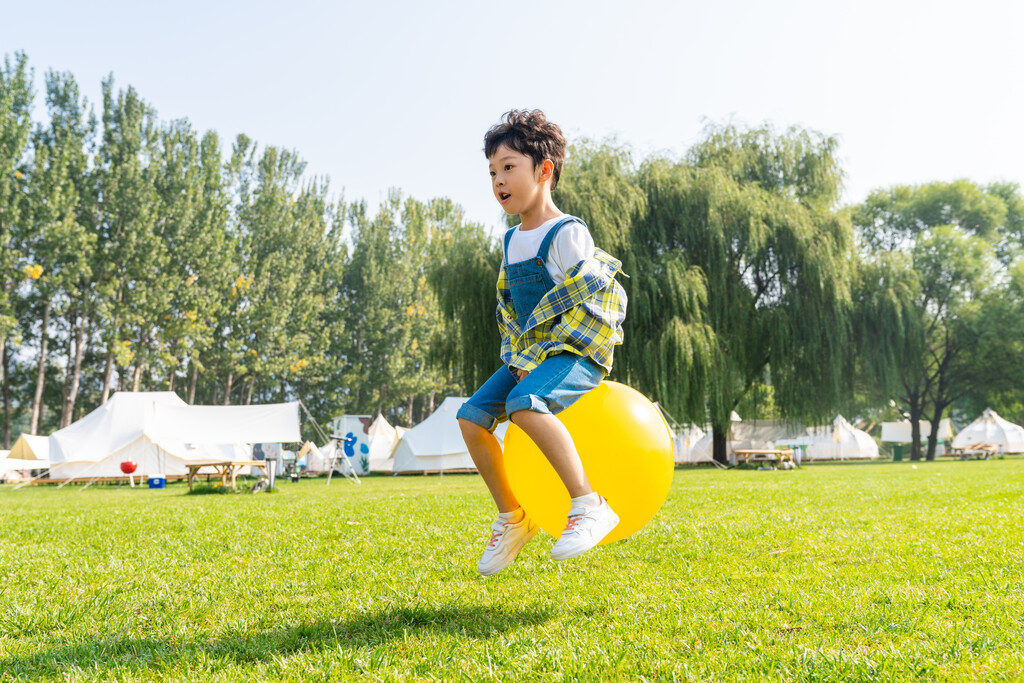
(547, 170)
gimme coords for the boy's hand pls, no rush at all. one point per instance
(521, 374)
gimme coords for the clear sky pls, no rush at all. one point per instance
(383, 94)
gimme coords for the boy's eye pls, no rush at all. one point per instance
(492, 174)
(508, 167)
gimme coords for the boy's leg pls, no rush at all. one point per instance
(554, 441)
(477, 418)
(555, 385)
(487, 456)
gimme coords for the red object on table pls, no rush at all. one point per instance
(128, 466)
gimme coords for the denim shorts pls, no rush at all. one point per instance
(552, 387)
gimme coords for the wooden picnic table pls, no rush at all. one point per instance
(978, 450)
(224, 469)
(772, 456)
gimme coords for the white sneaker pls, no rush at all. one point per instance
(585, 529)
(507, 539)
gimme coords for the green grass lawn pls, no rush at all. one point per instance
(875, 571)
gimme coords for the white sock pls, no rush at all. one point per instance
(591, 500)
(513, 517)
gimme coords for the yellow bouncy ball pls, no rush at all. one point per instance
(626, 449)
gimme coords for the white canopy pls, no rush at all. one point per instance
(269, 423)
(436, 443)
(900, 432)
(992, 430)
(840, 441)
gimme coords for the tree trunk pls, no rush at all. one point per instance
(408, 410)
(7, 395)
(67, 415)
(137, 376)
(933, 438)
(69, 362)
(915, 409)
(430, 405)
(108, 372)
(719, 443)
(227, 388)
(248, 391)
(192, 383)
(37, 401)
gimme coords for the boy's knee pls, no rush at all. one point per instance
(471, 431)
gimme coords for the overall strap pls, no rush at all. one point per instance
(542, 253)
(508, 240)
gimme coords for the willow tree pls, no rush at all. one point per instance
(462, 273)
(599, 184)
(749, 267)
(889, 336)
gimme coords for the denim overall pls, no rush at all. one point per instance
(529, 280)
(558, 381)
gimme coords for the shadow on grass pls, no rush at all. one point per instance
(120, 653)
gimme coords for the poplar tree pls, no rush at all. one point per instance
(61, 246)
(16, 98)
(193, 226)
(131, 256)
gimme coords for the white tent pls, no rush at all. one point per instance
(840, 441)
(436, 444)
(992, 430)
(684, 441)
(31, 447)
(900, 432)
(119, 430)
(384, 440)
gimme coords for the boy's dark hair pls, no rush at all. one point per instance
(528, 132)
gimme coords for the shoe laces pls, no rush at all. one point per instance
(575, 517)
(497, 531)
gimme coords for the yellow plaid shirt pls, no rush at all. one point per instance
(582, 315)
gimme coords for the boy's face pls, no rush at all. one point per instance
(517, 184)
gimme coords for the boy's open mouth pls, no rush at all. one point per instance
(502, 196)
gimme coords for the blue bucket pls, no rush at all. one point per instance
(157, 482)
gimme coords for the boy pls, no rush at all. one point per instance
(560, 315)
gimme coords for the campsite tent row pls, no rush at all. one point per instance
(434, 445)
(838, 441)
